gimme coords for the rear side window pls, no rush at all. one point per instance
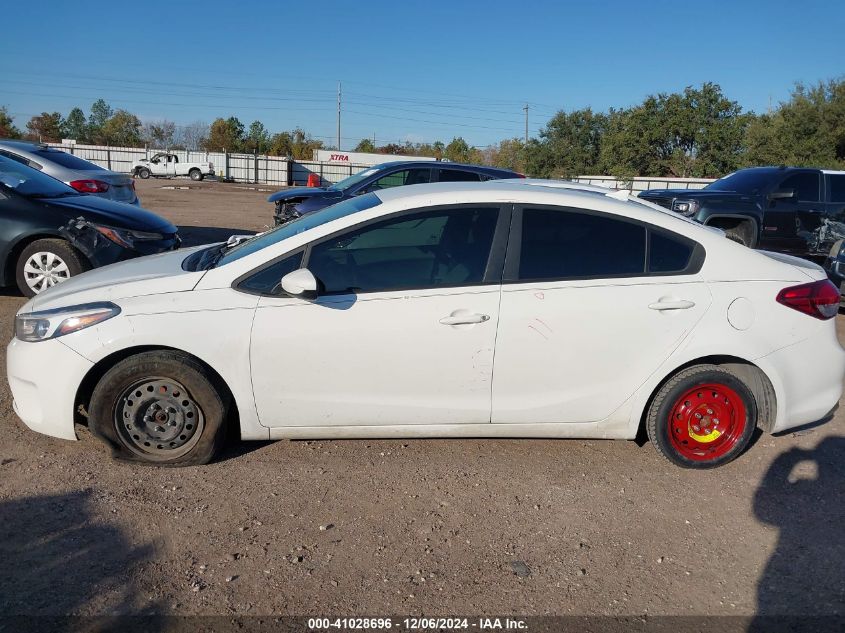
(429, 249)
(67, 160)
(457, 175)
(401, 178)
(805, 184)
(837, 187)
(564, 244)
(668, 254)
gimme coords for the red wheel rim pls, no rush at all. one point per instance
(707, 421)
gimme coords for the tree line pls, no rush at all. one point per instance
(698, 133)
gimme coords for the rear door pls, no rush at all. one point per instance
(592, 304)
(835, 207)
(797, 219)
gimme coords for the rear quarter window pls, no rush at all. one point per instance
(67, 160)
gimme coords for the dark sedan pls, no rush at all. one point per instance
(50, 232)
(292, 203)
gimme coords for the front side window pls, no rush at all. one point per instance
(401, 178)
(428, 249)
(805, 184)
(268, 280)
(567, 244)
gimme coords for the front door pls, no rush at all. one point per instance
(402, 333)
(586, 316)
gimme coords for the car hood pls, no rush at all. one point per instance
(154, 274)
(119, 215)
(301, 193)
(694, 194)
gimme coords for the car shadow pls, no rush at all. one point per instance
(803, 496)
(198, 235)
(60, 560)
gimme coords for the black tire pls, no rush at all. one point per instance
(130, 436)
(663, 407)
(74, 260)
(143, 173)
(195, 174)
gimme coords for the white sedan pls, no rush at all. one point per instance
(498, 309)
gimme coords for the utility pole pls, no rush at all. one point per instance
(338, 116)
(525, 109)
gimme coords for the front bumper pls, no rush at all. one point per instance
(44, 378)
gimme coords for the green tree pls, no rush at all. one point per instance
(808, 130)
(458, 151)
(122, 129)
(7, 125)
(366, 145)
(303, 145)
(75, 126)
(257, 138)
(281, 144)
(45, 127)
(100, 113)
(509, 154)
(225, 135)
(569, 145)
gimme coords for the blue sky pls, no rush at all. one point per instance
(410, 70)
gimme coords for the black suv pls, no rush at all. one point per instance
(786, 209)
(292, 203)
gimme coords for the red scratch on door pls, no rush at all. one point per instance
(540, 295)
(531, 327)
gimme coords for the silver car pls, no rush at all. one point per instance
(82, 175)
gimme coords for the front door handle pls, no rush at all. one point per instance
(671, 304)
(461, 317)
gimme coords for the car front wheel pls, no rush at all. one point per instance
(45, 263)
(159, 407)
(143, 173)
(702, 417)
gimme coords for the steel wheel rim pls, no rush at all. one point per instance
(158, 419)
(44, 270)
(707, 421)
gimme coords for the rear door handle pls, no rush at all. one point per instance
(671, 304)
(676, 304)
(464, 319)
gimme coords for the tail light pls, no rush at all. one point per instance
(518, 175)
(819, 299)
(90, 186)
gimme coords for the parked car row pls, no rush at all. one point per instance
(431, 299)
(509, 308)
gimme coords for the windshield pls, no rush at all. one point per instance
(30, 182)
(304, 223)
(346, 183)
(749, 181)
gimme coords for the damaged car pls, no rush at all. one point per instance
(790, 210)
(50, 232)
(298, 201)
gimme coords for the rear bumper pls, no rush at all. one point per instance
(44, 377)
(807, 378)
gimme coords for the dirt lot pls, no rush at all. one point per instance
(408, 527)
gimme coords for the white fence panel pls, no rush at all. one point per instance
(638, 184)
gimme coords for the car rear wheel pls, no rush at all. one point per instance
(702, 417)
(160, 407)
(195, 174)
(45, 263)
(143, 173)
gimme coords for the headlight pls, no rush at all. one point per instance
(685, 207)
(125, 237)
(46, 324)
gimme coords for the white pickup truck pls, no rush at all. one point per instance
(164, 164)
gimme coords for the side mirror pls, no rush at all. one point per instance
(782, 194)
(301, 283)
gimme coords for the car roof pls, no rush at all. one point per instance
(443, 165)
(514, 191)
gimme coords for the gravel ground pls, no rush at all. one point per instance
(412, 526)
